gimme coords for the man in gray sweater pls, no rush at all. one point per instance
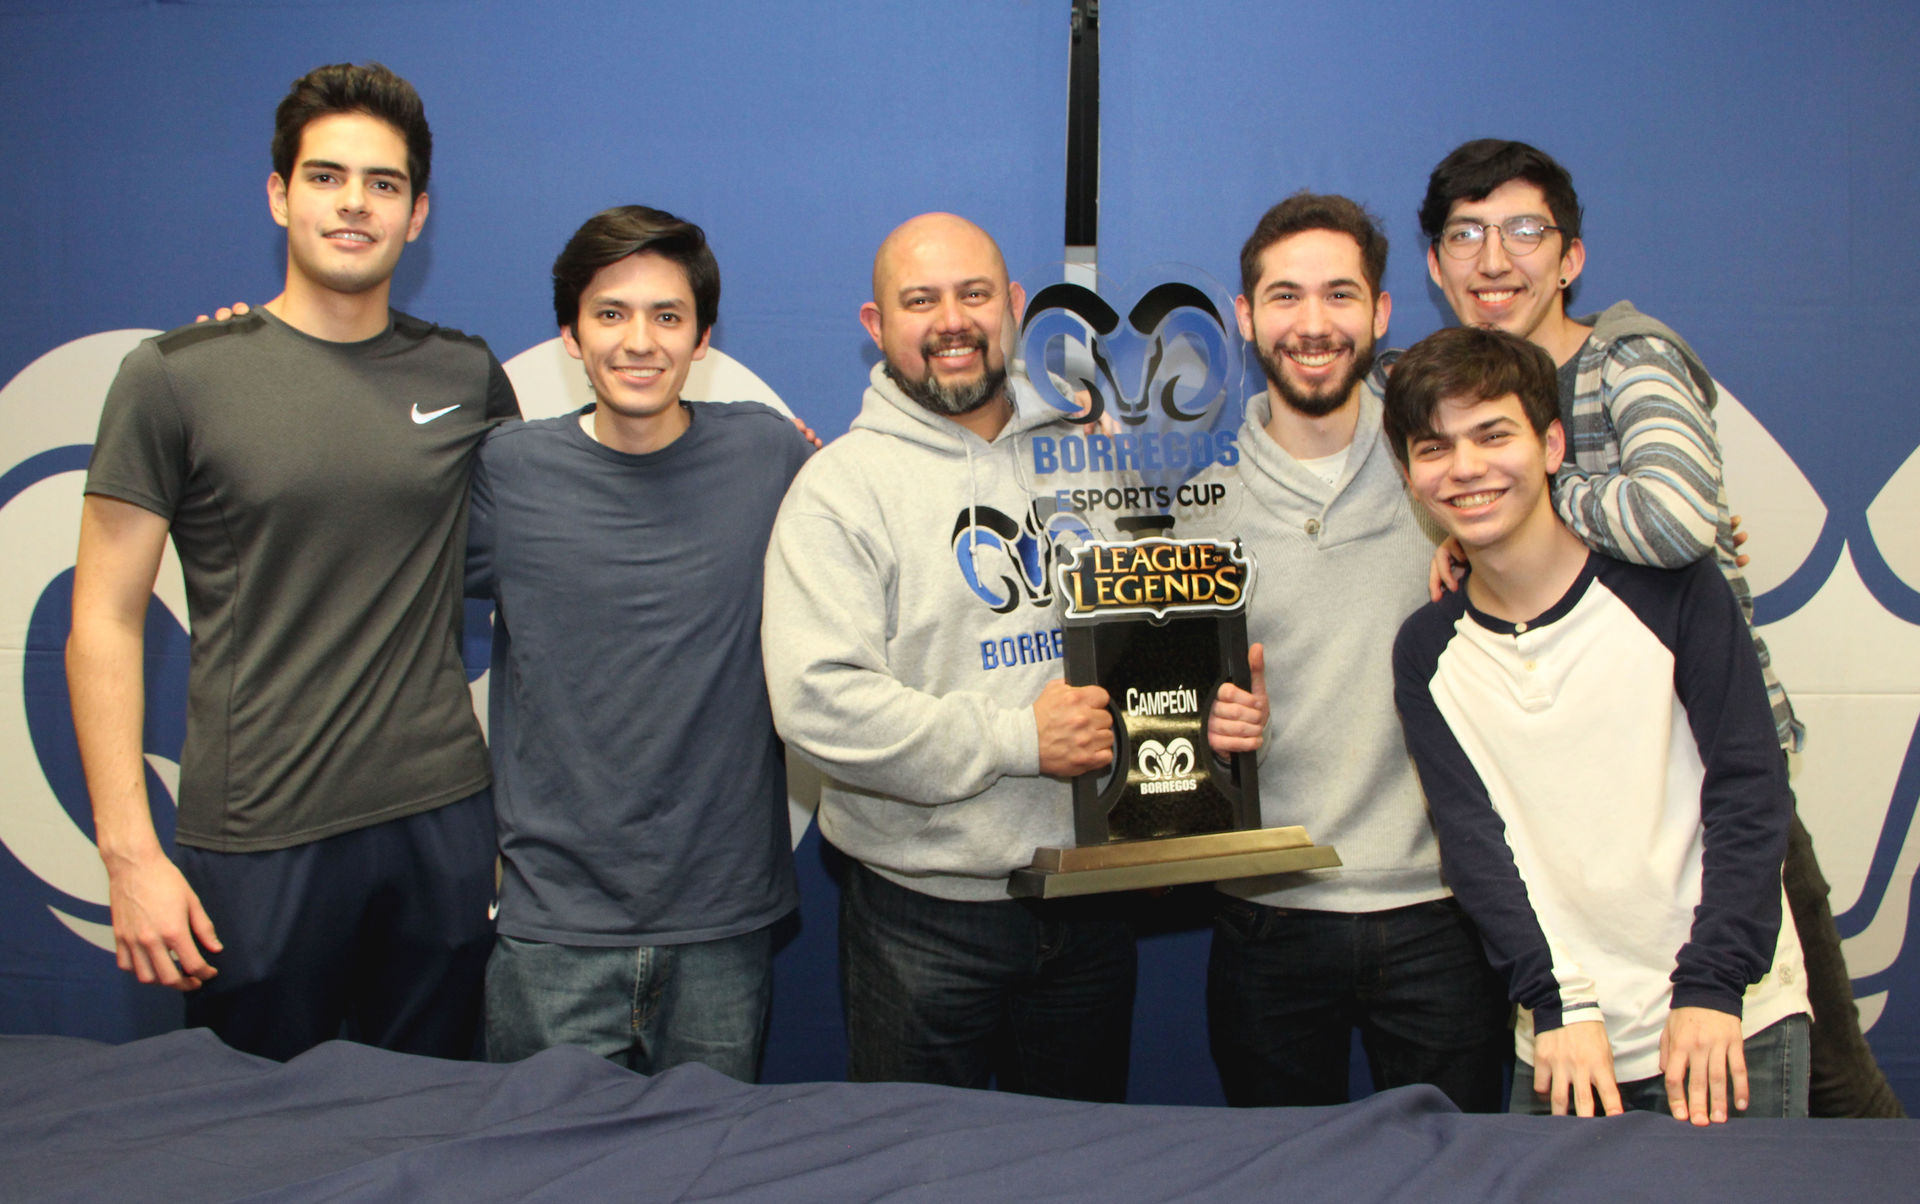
(1299, 961)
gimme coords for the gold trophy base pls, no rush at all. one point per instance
(1171, 861)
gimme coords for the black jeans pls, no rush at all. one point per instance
(1038, 993)
(1286, 988)
(1847, 1081)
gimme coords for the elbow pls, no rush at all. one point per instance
(1692, 540)
(1674, 538)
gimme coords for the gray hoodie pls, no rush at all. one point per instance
(908, 684)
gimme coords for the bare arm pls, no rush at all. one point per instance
(156, 916)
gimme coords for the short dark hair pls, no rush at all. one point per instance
(1470, 363)
(346, 88)
(1314, 211)
(1476, 168)
(614, 234)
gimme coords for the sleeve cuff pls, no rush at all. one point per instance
(1707, 997)
(1019, 742)
(1546, 1019)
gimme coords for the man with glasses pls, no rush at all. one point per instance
(1641, 481)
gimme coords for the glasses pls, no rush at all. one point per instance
(1519, 235)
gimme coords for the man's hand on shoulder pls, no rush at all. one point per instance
(1076, 729)
(1448, 570)
(1703, 1054)
(156, 921)
(1238, 721)
(1575, 1060)
(227, 311)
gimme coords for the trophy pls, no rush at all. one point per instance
(1136, 501)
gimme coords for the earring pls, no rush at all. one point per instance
(1563, 282)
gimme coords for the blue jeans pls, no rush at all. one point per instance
(1286, 987)
(648, 1007)
(1039, 993)
(1778, 1060)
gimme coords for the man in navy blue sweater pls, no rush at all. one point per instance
(640, 788)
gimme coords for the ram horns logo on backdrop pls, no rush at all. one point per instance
(1834, 583)
(48, 413)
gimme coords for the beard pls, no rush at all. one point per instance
(1320, 402)
(952, 400)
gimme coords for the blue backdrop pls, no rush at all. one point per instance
(1748, 177)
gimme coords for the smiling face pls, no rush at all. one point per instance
(942, 313)
(637, 336)
(1483, 473)
(349, 207)
(1312, 320)
(1519, 294)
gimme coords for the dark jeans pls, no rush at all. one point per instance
(1038, 993)
(1286, 988)
(1846, 1080)
(1776, 1079)
(378, 935)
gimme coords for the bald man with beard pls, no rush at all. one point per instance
(932, 701)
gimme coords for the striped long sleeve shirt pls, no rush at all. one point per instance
(1642, 481)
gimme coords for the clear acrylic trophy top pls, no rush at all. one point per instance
(1150, 385)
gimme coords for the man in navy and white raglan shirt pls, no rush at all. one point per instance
(310, 461)
(640, 788)
(1642, 480)
(1595, 741)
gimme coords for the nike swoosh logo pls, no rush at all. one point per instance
(422, 419)
(493, 911)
